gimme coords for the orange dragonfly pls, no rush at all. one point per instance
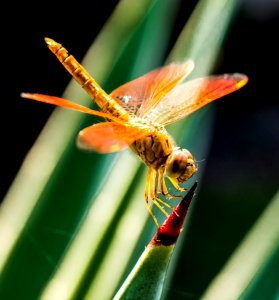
(136, 114)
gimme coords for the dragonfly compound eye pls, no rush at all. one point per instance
(180, 165)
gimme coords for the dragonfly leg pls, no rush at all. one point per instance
(149, 192)
(156, 202)
(164, 189)
(151, 213)
(164, 203)
(175, 184)
(156, 183)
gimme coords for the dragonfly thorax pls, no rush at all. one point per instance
(180, 165)
(155, 148)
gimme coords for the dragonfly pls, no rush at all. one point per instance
(136, 113)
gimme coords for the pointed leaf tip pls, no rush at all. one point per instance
(167, 234)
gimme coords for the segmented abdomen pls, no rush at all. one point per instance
(102, 99)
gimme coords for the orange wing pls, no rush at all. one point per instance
(68, 104)
(108, 137)
(141, 94)
(192, 95)
(104, 137)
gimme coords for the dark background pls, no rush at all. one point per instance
(245, 141)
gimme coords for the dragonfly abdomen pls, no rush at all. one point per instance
(106, 103)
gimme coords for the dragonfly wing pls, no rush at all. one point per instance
(108, 137)
(67, 104)
(192, 95)
(141, 94)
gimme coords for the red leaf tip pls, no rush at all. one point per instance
(167, 234)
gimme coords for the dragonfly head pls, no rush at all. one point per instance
(180, 165)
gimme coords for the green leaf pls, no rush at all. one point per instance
(252, 270)
(146, 280)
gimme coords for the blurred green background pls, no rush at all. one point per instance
(242, 165)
